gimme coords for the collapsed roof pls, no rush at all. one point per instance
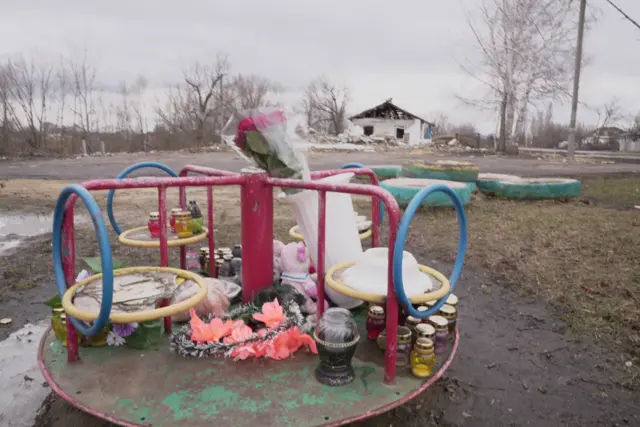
(388, 110)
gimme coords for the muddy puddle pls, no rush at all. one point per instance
(16, 228)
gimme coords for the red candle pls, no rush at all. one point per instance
(154, 224)
(375, 322)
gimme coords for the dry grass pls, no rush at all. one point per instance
(581, 259)
(623, 191)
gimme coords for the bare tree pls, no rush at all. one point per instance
(609, 114)
(197, 106)
(62, 86)
(176, 115)
(30, 86)
(4, 104)
(83, 79)
(634, 128)
(442, 122)
(324, 105)
(140, 125)
(251, 91)
(123, 112)
(525, 56)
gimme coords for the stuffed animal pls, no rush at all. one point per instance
(294, 271)
(277, 252)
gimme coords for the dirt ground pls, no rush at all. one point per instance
(550, 318)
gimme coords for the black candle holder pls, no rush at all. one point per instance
(337, 337)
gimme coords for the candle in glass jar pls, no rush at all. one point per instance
(441, 326)
(154, 224)
(403, 350)
(172, 219)
(451, 314)
(422, 309)
(424, 330)
(423, 358)
(204, 254)
(411, 323)
(183, 225)
(452, 300)
(375, 322)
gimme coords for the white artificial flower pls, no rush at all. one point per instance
(84, 274)
(114, 339)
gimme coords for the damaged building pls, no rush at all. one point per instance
(387, 120)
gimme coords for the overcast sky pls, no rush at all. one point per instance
(407, 49)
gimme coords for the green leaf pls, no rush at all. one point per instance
(96, 266)
(257, 143)
(261, 161)
(54, 302)
(147, 336)
(273, 162)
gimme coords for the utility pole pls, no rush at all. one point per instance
(576, 82)
(221, 108)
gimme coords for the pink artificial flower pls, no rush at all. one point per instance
(237, 324)
(300, 339)
(277, 349)
(272, 314)
(259, 348)
(243, 352)
(208, 332)
(238, 334)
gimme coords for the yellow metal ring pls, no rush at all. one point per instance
(338, 286)
(122, 238)
(142, 316)
(293, 232)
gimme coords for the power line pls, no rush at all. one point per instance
(627, 17)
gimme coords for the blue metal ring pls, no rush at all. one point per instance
(398, 249)
(124, 174)
(105, 256)
(381, 206)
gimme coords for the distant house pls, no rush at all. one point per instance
(390, 121)
(605, 135)
(630, 141)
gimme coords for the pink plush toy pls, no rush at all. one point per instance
(277, 251)
(294, 271)
(277, 248)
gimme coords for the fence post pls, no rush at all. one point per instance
(84, 147)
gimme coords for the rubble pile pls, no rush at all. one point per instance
(354, 136)
(351, 136)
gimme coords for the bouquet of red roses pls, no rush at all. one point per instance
(264, 137)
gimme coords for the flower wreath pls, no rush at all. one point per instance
(229, 336)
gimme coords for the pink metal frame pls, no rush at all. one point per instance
(256, 201)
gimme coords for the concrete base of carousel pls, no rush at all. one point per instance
(140, 388)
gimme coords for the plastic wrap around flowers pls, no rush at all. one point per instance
(279, 335)
(265, 137)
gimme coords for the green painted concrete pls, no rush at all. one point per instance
(162, 389)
